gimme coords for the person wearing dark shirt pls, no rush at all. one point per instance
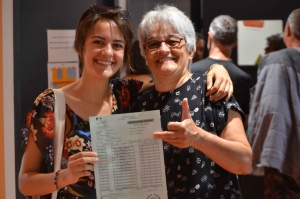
(205, 144)
(222, 39)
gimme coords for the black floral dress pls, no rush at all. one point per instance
(190, 174)
(39, 124)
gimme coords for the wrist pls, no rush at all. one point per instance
(56, 179)
(199, 138)
(211, 67)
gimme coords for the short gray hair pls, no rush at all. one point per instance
(294, 22)
(169, 17)
(224, 29)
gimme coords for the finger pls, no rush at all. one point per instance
(227, 90)
(175, 127)
(185, 110)
(164, 135)
(173, 141)
(83, 154)
(230, 92)
(84, 167)
(83, 160)
(209, 81)
(215, 87)
(220, 92)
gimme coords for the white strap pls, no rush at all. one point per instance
(59, 131)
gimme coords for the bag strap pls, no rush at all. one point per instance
(59, 131)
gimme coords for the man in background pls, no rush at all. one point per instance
(274, 120)
(200, 44)
(274, 42)
(222, 39)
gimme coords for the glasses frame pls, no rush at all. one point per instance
(101, 9)
(163, 40)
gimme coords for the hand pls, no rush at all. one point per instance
(180, 134)
(79, 165)
(222, 86)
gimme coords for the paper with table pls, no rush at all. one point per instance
(131, 162)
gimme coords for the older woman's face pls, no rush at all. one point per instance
(168, 58)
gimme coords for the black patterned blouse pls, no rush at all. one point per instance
(190, 174)
(39, 124)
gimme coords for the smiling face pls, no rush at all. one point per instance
(166, 62)
(103, 50)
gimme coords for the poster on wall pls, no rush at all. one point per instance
(252, 39)
(62, 74)
(63, 63)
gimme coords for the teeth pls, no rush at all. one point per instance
(165, 59)
(105, 62)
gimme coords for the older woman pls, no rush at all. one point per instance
(205, 145)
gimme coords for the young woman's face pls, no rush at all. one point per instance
(166, 61)
(104, 50)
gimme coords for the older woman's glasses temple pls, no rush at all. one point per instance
(100, 9)
(171, 42)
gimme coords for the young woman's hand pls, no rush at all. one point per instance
(219, 84)
(79, 165)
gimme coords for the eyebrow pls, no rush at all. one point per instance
(168, 36)
(115, 40)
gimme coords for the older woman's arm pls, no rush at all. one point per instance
(231, 150)
(219, 84)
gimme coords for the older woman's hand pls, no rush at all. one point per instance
(180, 134)
(219, 83)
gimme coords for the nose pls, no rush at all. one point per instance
(163, 47)
(107, 50)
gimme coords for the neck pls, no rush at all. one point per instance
(295, 45)
(165, 84)
(220, 53)
(89, 90)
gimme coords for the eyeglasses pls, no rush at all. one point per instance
(100, 9)
(171, 42)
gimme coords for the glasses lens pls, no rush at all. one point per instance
(153, 44)
(173, 42)
(99, 9)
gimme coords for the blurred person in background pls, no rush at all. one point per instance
(200, 46)
(274, 120)
(274, 42)
(222, 39)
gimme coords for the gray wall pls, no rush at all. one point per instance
(137, 8)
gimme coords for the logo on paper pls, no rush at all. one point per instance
(153, 196)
